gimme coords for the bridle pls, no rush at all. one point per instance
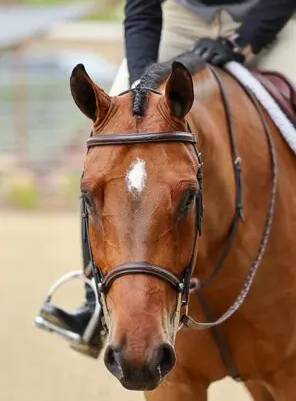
(180, 284)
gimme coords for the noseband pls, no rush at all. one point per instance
(181, 284)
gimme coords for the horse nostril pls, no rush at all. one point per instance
(112, 361)
(164, 359)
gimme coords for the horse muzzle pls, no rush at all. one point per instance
(140, 375)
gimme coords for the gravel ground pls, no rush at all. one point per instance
(35, 249)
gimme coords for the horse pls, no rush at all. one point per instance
(142, 199)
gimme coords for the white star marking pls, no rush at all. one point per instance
(136, 177)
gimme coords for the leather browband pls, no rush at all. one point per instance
(140, 268)
(125, 139)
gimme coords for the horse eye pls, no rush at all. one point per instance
(188, 200)
(87, 199)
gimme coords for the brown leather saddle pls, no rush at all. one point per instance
(282, 91)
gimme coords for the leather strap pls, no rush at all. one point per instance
(131, 268)
(221, 341)
(145, 137)
(239, 211)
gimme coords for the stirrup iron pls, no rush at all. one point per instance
(79, 342)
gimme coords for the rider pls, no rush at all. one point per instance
(260, 32)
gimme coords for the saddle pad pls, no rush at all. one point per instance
(248, 80)
(281, 89)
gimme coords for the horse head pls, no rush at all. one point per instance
(141, 202)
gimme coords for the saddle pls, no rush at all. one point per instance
(282, 91)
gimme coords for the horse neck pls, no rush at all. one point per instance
(209, 119)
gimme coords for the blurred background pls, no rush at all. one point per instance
(42, 133)
(42, 145)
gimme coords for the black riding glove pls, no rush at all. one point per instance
(218, 51)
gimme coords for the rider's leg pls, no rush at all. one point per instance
(182, 28)
(280, 56)
(77, 320)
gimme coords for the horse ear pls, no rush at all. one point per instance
(88, 96)
(179, 90)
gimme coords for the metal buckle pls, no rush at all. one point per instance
(78, 342)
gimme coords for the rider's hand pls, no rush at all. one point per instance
(218, 51)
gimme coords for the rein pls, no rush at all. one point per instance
(239, 211)
(221, 342)
(187, 320)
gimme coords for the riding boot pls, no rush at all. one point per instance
(77, 321)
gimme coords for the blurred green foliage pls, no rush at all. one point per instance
(71, 188)
(112, 12)
(24, 192)
(23, 195)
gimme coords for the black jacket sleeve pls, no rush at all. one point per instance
(264, 22)
(143, 23)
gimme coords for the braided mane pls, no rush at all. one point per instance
(156, 74)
